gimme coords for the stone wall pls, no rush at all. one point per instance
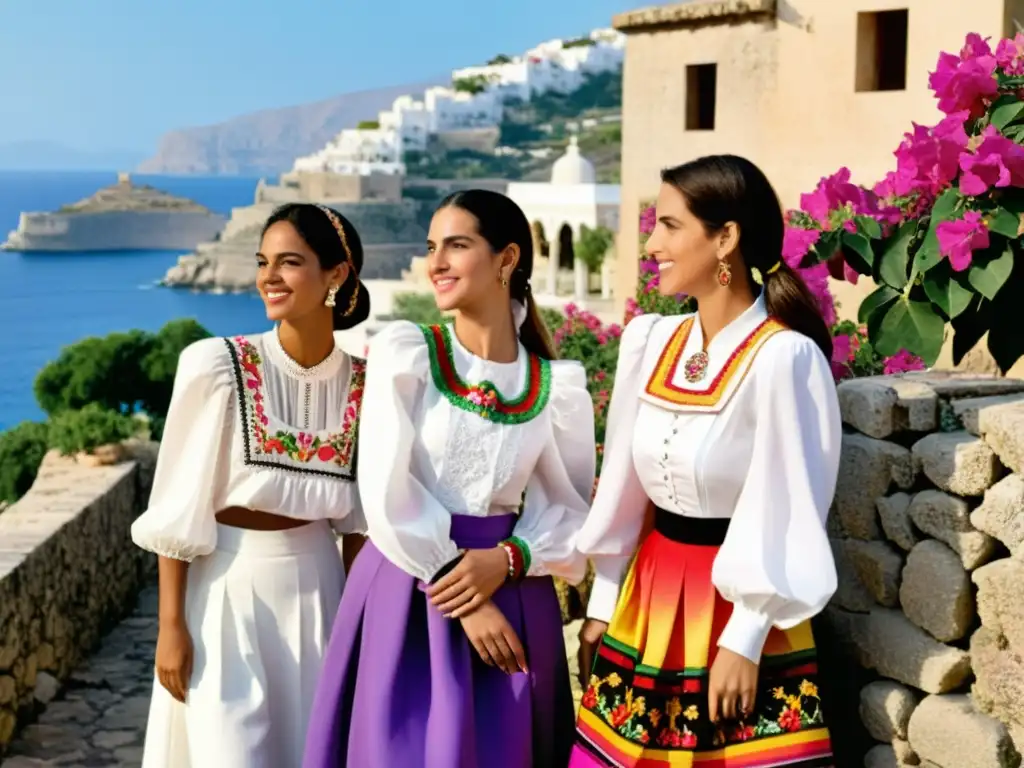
(68, 572)
(928, 534)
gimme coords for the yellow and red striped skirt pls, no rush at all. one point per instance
(646, 704)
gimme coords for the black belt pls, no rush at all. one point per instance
(706, 531)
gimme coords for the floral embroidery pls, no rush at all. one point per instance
(333, 448)
(670, 716)
(483, 398)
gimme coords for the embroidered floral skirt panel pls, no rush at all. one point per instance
(403, 688)
(646, 702)
(259, 610)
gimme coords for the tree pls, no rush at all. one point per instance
(86, 429)
(592, 246)
(160, 365)
(21, 452)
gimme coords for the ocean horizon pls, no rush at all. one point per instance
(55, 299)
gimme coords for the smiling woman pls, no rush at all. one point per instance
(256, 467)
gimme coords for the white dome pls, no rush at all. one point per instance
(572, 167)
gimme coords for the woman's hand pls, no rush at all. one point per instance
(174, 658)
(494, 639)
(590, 637)
(732, 686)
(471, 583)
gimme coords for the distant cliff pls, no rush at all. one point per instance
(266, 143)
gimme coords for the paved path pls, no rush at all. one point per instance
(98, 721)
(100, 718)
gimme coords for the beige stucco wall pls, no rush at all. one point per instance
(785, 99)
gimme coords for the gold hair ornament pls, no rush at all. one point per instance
(336, 223)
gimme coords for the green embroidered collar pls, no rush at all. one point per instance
(484, 399)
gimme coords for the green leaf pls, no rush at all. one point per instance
(1004, 222)
(913, 326)
(880, 297)
(1006, 110)
(858, 253)
(1005, 340)
(895, 258)
(987, 274)
(868, 227)
(946, 288)
(826, 248)
(969, 327)
(944, 209)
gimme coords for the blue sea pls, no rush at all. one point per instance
(51, 300)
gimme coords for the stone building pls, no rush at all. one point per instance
(801, 87)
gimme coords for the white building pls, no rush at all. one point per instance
(557, 65)
(571, 200)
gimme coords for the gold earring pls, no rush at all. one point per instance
(504, 282)
(331, 293)
(724, 273)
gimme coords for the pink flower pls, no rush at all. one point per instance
(959, 239)
(928, 159)
(836, 193)
(1010, 55)
(796, 243)
(841, 352)
(902, 362)
(816, 278)
(966, 81)
(997, 162)
(648, 219)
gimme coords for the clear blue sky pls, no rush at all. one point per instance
(116, 74)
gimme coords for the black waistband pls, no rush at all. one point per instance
(707, 531)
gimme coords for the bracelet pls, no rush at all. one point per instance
(518, 557)
(524, 550)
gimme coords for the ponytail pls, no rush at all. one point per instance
(533, 334)
(723, 188)
(789, 300)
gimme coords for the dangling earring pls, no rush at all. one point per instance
(331, 293)
(724, 273)
(504, 282)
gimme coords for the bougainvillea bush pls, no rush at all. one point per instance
(939, 235)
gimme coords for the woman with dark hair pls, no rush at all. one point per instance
(707, 532)
(256, 466)
(448, 648)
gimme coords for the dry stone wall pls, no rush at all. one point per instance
(68, 572)
(928, 534)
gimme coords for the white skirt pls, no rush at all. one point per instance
(260, 610)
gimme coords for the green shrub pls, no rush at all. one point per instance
(22, 448)
(88, 428)
(416, 308)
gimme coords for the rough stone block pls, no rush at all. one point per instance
(1000, 514)
(936, 591)
(898, 649)
(947, 731)
(955, 384)
(948, 519)
(905, 754)
(999, 677)
(878, 406)
(999, 602)
(885, 708)
(1003, 429)
(969, 410)
(957, 462)
(894, 512)
(881, 756)
(867, 468)
(878, 565)
(851, 593)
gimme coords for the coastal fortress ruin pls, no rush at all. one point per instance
(122, 217)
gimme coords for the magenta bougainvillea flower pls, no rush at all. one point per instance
(959, 239)
(968, 81)
(796, 242)
(1010, 55)
(648, 219)
(902, 362)
(928, 159)
(997, 162)
(837, 194)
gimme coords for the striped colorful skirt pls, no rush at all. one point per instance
(646, 704)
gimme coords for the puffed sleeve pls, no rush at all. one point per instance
(612, 529)
(776, 565)
(558, 494)
(404, 521)
(179, 522)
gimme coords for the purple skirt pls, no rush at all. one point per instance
(402, 686)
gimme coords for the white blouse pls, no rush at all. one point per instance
(433, 457)
(756, 440)
(249, 427)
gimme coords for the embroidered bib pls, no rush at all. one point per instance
(661, 389)
(270, 443)
(483, 398)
